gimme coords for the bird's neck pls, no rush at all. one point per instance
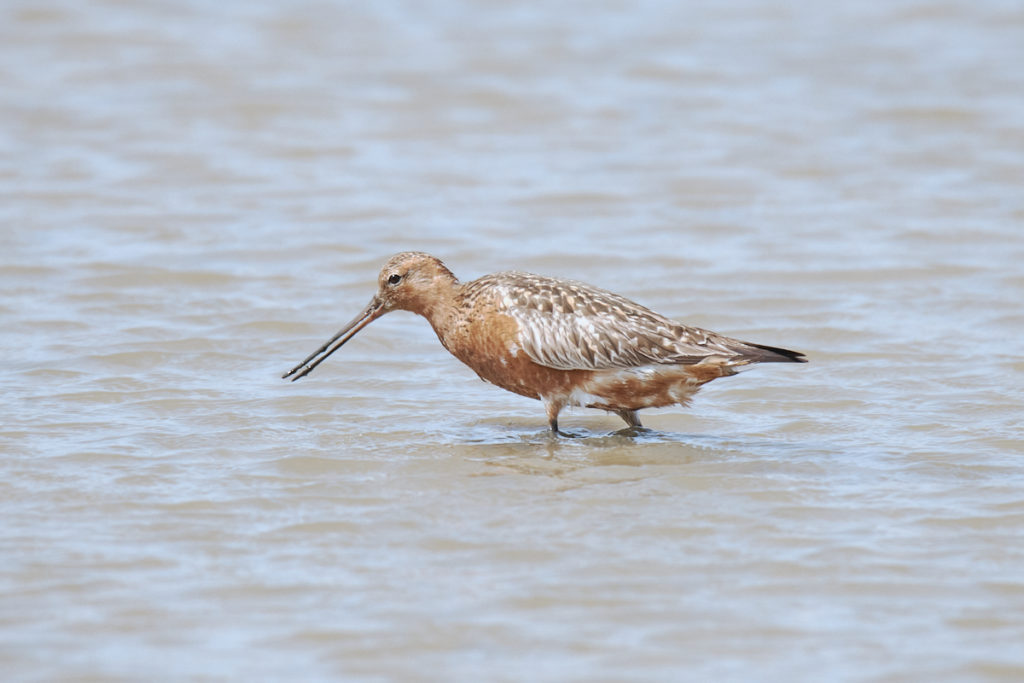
(441, 309)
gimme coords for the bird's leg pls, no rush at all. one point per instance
(630, 417)
(553, 407)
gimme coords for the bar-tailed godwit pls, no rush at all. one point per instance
(560, 341)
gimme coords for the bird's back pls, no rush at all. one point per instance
(569, 325)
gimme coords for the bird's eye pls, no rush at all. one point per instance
(395, 279)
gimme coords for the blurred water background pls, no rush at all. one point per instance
(194, 196)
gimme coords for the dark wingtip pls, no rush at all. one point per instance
(773, 354)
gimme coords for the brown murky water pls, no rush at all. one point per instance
(193, 197)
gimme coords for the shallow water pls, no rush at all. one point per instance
(195, 198)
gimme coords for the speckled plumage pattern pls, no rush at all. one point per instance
(560, 341)
(570, 325)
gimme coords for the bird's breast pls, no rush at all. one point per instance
(489, 345)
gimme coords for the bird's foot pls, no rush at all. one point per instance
(556, 432)
(632, 432)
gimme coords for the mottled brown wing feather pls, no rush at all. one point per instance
(572, 326)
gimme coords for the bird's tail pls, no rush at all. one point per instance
(773, 354)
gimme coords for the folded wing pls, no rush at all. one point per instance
(572, 326)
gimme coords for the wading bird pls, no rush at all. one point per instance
(560, 341)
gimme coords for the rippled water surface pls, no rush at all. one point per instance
(193, 197)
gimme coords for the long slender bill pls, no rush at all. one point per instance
(372, 311)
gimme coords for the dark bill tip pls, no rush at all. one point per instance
(372, 311)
